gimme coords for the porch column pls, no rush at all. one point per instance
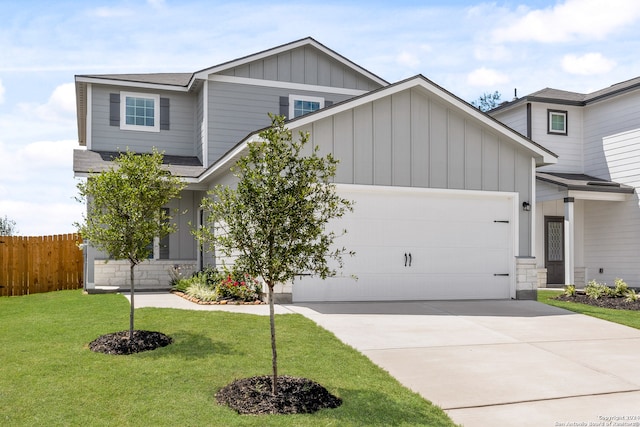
(569, 252)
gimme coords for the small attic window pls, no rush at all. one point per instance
(557, 122)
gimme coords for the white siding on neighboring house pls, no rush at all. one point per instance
(612, 241)
(569, 148)
(605, 118)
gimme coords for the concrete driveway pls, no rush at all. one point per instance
(498, 363)
(486, 363)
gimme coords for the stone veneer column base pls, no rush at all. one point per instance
(150, 275)
(526, 278)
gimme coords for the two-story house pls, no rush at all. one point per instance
(439, 186)
(587, 215)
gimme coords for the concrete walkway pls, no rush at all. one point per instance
(488, 363)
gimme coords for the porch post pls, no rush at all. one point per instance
(569, 262)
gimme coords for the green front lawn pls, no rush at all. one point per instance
(624, 317)
(49, 377)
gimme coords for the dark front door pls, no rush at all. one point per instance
(554, 249)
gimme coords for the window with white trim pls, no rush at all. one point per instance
(139, 111)
(557, 122)
(300, 105)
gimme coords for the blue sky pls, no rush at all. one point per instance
(468, 47)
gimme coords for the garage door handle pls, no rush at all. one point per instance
(407, 258)
(501, 274)
(502, 221)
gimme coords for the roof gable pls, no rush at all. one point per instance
(303, 61)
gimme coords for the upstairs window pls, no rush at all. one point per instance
(139, 111)
(301, 105)
(557, 122)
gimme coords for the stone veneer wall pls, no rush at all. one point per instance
(526, 278)
(149, 275)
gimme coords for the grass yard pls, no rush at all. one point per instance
(624, 317)
(48, 376)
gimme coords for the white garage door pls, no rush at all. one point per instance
(422, 244)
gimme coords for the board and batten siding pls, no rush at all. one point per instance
(179, 140)
(603, 119)
(236, 110)
(409, 139)
(306, 65)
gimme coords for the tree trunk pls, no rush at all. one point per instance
(132, 304)
(274, 354)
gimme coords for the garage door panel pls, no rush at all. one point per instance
(461, 245)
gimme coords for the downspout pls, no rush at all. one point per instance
(529, 120)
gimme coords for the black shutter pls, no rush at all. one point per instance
(284, 106)
(164, 113)
(114, 109)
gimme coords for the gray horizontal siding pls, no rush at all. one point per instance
(306, 65)
(411, 139)
(236, 110)
(178, 141)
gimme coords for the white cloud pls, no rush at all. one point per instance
(111, 12)
(570, 20)
(587, 64)
(486, 77)
(411, 56)
(2, 90)
(61, 105)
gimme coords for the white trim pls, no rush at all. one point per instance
(533, 202)
(88, 118)
(205, 124)
(126, 83)
(156, 111)
(285, 85)
(293, 98)
(598, 195)
(204, 74)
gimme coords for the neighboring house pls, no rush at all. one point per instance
(587, 211)
(439, 186)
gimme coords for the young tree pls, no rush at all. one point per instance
(487, 101)
(124, 212)
(7, 227)
(274, 221)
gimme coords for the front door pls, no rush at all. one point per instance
(554, 249)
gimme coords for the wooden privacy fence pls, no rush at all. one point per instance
(30, 265)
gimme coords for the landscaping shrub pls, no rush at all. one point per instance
(595, 290)
(214, 285)
(570, 290)
(621, 288)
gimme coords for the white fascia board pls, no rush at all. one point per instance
(113, 82)
(598, 195)
(284, 85)
(204, 74)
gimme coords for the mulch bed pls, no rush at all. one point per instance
(604, 302)
(221, 302)
(252, 396)
(119, 342)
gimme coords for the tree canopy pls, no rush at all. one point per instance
(274, 221)
(7, 226)
(487, 101)
(124, 208)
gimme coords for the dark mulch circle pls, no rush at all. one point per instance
(119, 342)
(295, 396)
(604, 302)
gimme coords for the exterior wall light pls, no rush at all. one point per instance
(526, 206)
